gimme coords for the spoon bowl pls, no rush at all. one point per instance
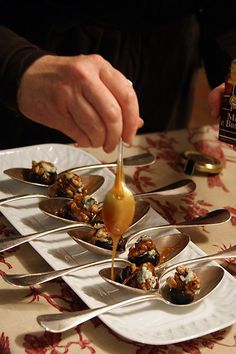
(210, 277)
(215, 217)
(21, 174)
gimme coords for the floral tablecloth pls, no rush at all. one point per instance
(20, 333)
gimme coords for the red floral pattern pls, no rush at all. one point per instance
(4, 344)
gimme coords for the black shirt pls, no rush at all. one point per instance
(150, 42)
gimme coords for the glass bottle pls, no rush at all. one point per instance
(227, 127)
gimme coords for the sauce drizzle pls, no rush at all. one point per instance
(118, 207)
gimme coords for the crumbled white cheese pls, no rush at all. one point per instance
(89, 202)
(145, 274)
(48, 167)
(188, 277)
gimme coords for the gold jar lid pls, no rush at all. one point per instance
(196, 161)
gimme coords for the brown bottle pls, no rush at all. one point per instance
(227, 128)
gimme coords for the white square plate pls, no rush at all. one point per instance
(151, 323)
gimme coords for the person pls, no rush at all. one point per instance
(66, 67)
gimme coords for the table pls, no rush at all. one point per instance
(20, 305)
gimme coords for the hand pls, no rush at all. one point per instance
(82, 96)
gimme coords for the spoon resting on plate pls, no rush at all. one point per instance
(51, 206)
(21, 174)
(181, 187)
(57, 323)
(168, 246)
(217, 216)
(86, 230)
(163, 269)
(90, 184)
(214, 217)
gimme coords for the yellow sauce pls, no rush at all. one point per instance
(118, 210)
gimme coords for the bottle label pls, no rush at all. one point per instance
(227, 129)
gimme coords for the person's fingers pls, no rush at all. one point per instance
(76, 133)
(140, 123)
(125, 95)
(214, 100)
(88, 120)
(108, 109)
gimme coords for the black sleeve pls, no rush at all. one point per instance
(16, 55)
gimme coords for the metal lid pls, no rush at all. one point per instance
(196, 161)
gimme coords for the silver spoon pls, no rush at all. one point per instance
(21, 174)
(10, 242)
(181, 187)
(163, 269)
(57, 323)
(168, 246)
(142, 208)
(51, 206)
(214, 217)
(91, 183)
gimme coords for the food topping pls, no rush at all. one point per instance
(143, 277)
(43, 172)
(68, 185)
(183, 285)
(103, 238)
(144, 250)
(81, 208)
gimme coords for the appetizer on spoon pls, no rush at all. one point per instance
(43, 173)
(210, 278)
(166, 247)
(68, 186)
(87, 230)
(139, 280)
(214, 217)
(57, 207)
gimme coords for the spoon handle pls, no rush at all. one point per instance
(39, 278)
(20, 197)
(10, 242)
(215, 217)
(136, 160)
(229, 253)
(58, 323)
(181, 187)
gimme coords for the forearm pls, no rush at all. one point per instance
(16, 55)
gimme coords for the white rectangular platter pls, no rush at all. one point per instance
(153, 322)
